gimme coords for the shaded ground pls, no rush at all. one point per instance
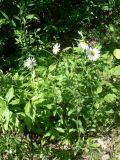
(20, 146)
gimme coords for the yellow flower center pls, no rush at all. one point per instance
(93, 52)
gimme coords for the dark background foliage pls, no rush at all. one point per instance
(58, 20)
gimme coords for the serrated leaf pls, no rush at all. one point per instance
(10, 94)
(61, 130)
(116, 53)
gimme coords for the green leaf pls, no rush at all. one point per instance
(13, 23)
(105, 7)
(97, 105)
(61, 130)
(3, 106)
(15, 102)
(99, 89)
(15, 120)
(66, 141)
(67, 49)
(7, 118)
(107, 58)
(28, 109)
(28, 122)
(31, 16)
(116, 70)
(116, 53)
(72, 130)
(112, 29)
(52, 68)
(110, 98)
(33, 74)
(49, 106)
(111, 111)
(71, 112)
(16, 17)
(7, 114)
(4, 14)
(10, 94)
(77, 49)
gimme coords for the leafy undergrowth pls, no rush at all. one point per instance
(29, 147)
(59, 90)
(66, 98)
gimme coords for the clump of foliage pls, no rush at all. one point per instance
(62, 96)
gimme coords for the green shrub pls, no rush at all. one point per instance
(62, 97)
(60, 93)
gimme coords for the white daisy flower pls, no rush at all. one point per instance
(56, 49)
(30, 63)
(93, 54)
(82, 44)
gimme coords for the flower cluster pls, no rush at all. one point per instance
(92, 53)
(30, 63)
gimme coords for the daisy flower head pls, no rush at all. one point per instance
(93, 54)
(82, 44)
(30, 63)
(56, 49)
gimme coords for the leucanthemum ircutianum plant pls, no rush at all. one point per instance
(30, 63)
(92, 53)
(56, 49)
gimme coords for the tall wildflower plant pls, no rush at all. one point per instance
(63, 98)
